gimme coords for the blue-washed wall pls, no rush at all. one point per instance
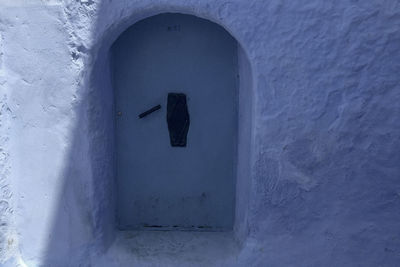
(325, 175)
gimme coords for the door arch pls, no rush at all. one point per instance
(102, 128)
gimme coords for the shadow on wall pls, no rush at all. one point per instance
(78, 226)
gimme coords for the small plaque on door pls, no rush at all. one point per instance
(177, 119)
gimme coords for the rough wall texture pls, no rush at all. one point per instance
(325, 187)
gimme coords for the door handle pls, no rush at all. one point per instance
(147, 112)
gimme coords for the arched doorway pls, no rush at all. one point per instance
(177, 172)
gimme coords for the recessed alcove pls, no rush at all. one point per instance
(142, 181)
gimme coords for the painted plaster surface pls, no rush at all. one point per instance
(324, 183)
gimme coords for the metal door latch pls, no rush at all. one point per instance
(178, 119)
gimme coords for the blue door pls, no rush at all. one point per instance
(178, 72)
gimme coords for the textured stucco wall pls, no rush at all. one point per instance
(325, 173)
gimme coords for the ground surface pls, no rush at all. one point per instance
(152, 248)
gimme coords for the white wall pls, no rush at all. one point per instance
(324, 184)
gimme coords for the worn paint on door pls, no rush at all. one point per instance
(159, 185)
